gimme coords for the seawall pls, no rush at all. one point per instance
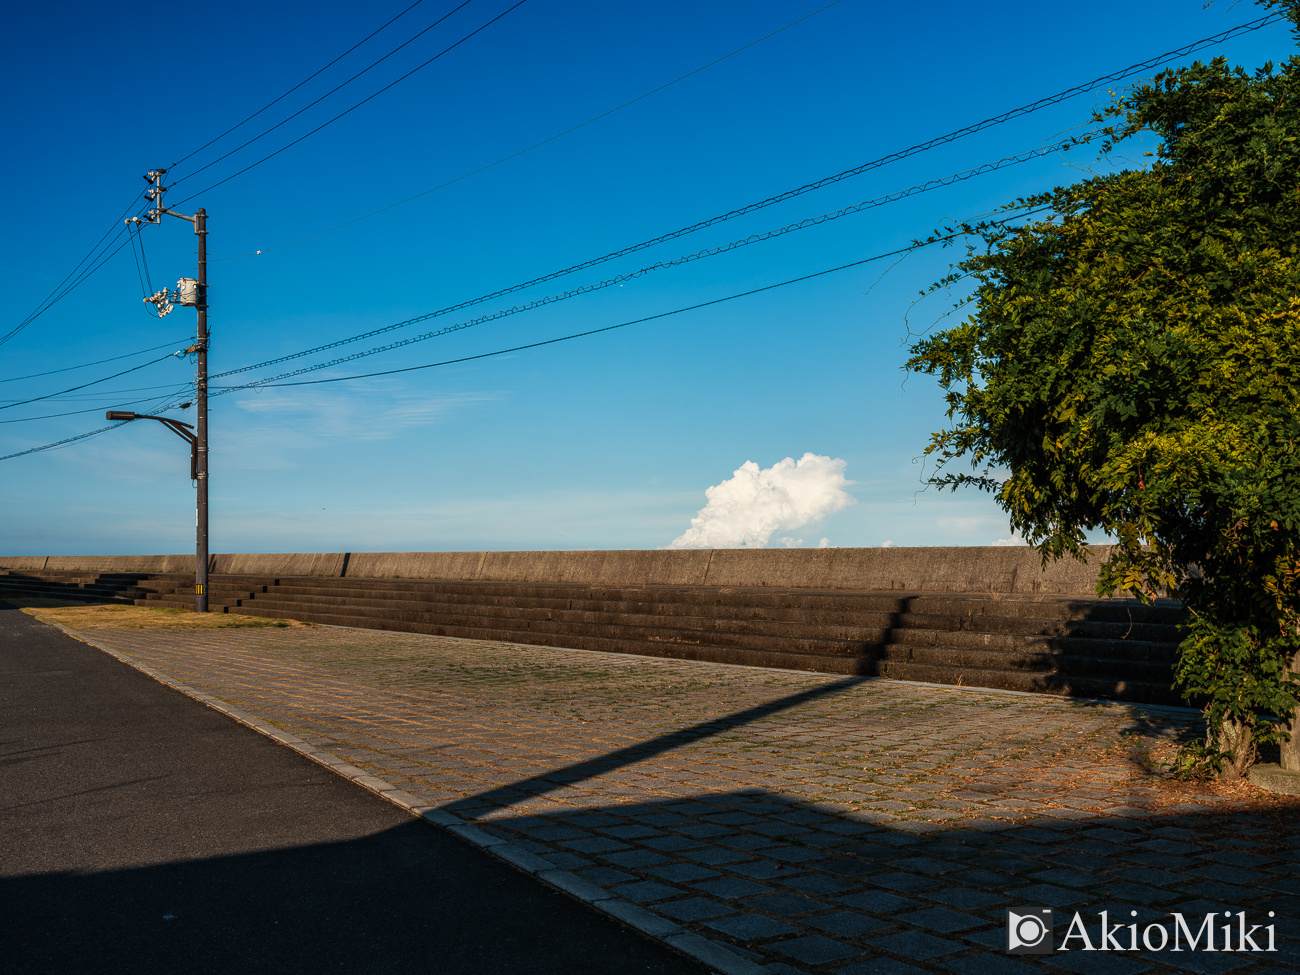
(999, 570)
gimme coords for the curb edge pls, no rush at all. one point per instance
(716, 956)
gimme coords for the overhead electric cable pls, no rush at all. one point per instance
(93, 382)
(144, 259)
(1015, 113)
(101, 393)
(97, 362)
(99, 262)
(781, 197)
(62, 288)
(299, 84)
(93, 409)
(144, 292)
(585, 289)
(363, 101)
(914, 246)
(327, 94)
(619, 279)
(538, 145)
(142, 274)
(940, 140)
(61, 443)
(1187, 49)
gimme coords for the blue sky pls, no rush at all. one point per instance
(602, 442)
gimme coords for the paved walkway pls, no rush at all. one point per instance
(809, 823)
(141, 832)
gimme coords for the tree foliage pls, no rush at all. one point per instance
(1131, 363)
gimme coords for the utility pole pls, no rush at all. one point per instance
(190, 291)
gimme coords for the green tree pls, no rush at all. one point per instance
(1131, 362)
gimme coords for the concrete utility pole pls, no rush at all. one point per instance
(190, 291)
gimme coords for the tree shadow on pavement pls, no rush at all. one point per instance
(797, 887)
(802, 886)
(579, 771)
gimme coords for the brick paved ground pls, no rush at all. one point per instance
(811, 823)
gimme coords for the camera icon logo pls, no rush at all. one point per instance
(1030, 933)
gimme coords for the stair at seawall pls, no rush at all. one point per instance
(1052, 645)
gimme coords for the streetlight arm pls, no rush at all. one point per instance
(178, 427)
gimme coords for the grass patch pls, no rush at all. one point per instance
(78, 615)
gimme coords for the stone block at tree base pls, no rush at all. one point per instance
(1274, 778)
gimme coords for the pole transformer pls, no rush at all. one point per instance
(190, 291)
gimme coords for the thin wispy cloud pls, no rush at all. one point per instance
(357, 414)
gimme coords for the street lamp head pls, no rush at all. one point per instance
(120, 415)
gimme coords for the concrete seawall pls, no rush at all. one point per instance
(1010, 570)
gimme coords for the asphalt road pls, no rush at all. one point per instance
(141, 832)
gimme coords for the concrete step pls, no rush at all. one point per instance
(92, 583)
(65, 594)
(1116, 611)
(1079, 659)
(1039, 644)
(972, 605)
(726, 630)
(899, 663)
(736, 612)
(731, 616)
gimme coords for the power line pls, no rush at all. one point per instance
(788, 194)
(327, 94)
(144, 292)
(63, 442)
(144, 277)
(93, 409)
(538, 145)
(586, 289)
(97, 362)
(99, 394)
(1150, 63)
(100, 262)
(941, 140)
(93, 382)
(363, 101)
(1023, 110)
(66, 287)
(631, 275)
(300, 84)
(916, 245)
(62, 289)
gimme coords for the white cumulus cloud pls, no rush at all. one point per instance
(1007, 542)
(752, 505)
